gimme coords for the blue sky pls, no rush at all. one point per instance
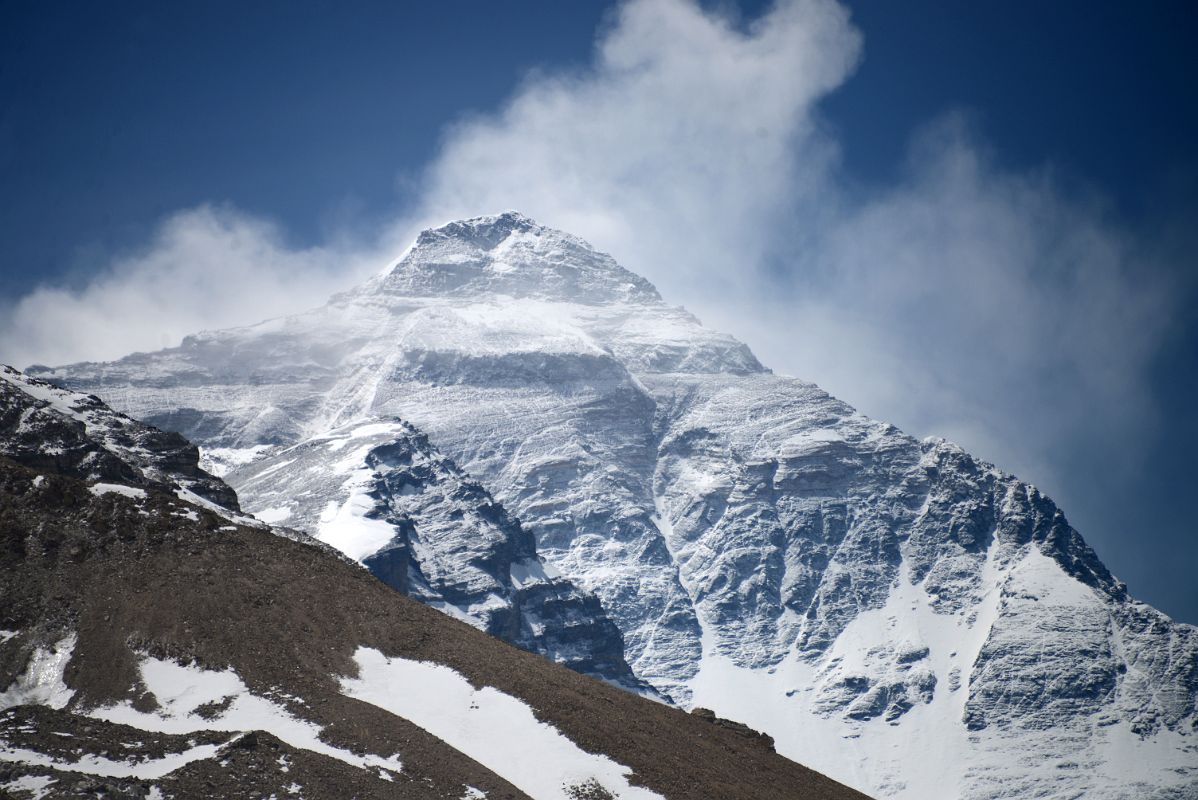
(912, 141)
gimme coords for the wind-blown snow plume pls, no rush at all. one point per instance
(685, 148)
(965, 300)
(979, 305)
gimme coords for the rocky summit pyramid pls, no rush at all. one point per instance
(894, 612)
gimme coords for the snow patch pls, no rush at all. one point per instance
(274, 515)
(107, 767)
(530, 571)
(41, 683)
(346, 527)
(495, 729)
(182, 690)
(38, 786)
(373, 429)
(101, 489)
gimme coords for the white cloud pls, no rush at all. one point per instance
(983, 306)
(205, 268)
(685, 149)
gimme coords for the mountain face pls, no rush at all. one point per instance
(152, 647)
(381, 494)
(894, 612)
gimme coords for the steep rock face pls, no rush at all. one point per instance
(43, 426)
(381, 494)
(767, 552)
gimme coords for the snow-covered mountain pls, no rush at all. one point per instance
(893, 612)
(154, 644)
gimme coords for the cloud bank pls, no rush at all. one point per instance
(983, 306)
(206, 268)
(964, 300)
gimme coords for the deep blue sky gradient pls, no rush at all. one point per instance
(317, 114)
(114, 115)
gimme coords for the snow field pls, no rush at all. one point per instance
(495, 729)
(182, 690)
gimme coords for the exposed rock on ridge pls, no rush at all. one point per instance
(380, 493)
(43, 426)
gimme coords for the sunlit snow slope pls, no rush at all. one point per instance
(894, 612)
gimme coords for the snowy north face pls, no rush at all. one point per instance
(895, 613)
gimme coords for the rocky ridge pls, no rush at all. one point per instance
(423, 526)
(44, 426)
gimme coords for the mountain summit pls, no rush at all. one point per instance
(894, 612)
(511, 254)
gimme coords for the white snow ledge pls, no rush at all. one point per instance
(495, 729)
(101, 489)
